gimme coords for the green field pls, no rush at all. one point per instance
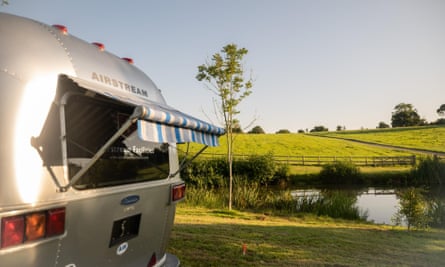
(427, 138)
(296, 145)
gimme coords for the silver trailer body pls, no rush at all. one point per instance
(88, 162)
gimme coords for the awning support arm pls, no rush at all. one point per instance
(186, 154)
(184, 163)
(138, 113)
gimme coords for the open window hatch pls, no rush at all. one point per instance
(97, 137)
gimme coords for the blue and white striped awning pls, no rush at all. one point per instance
(161, 123)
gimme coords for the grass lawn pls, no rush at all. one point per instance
(203, 237)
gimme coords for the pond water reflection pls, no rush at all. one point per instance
(380, 205)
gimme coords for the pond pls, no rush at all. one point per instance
(380, 205)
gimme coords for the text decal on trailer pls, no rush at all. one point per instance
(118, 84)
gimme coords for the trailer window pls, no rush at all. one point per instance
(90, 122)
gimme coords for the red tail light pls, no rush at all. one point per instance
(16, 230)
(12, 231)
(152, 261)
(178, 192)
(56, 222)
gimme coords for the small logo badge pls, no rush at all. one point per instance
(122, 248)
(130, 200)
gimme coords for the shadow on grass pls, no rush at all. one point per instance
(221, 244)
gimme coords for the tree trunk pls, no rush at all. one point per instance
(230, 161)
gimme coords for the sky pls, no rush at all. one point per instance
(314, 62)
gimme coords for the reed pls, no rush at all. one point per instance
(254, 197)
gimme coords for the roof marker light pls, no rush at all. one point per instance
(63, 29)
(129, 60)
(100, 45)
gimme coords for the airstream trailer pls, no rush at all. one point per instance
(89, 171)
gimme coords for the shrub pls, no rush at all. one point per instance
(282, 175)
(340, 173)
(256, 130)
(206, 173)
(412, 209)
(283, 131)
(213, 173)
(259, 169)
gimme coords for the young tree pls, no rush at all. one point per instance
(224, 76)
(412, 209)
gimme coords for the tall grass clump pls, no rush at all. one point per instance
(340, 173)
(436, 213)
(246, 195)
(429, 172)
(331, 203)
(207, 198)
(338, 204)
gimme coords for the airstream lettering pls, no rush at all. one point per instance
(89, 171)
(119, 84)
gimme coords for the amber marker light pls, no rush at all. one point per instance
(35, 226)
(178, 192)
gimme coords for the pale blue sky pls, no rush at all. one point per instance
(331, 62)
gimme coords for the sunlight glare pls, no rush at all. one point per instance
(36, 101)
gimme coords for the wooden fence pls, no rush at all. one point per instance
(376, 161)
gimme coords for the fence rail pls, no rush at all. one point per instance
(375, 161)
